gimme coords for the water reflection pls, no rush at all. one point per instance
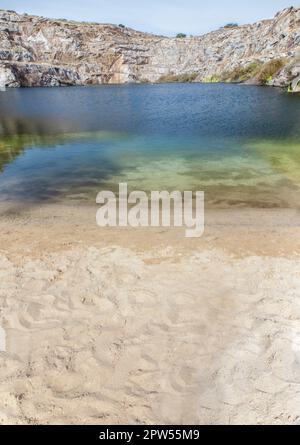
(240, 145)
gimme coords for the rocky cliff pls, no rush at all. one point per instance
(35, 51)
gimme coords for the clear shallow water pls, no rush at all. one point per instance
(239, 144)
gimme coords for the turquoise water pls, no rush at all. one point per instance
(240, 144)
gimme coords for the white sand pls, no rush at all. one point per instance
(141, 327)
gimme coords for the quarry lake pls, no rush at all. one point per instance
(240, 144)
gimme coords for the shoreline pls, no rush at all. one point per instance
(283, 88)
(223, 227)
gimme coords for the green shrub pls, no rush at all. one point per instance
(231, 25)
(180, 36)
(211, 79)
(122, 26)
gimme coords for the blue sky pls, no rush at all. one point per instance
(159, 16)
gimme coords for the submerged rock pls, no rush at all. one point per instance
(35, 51)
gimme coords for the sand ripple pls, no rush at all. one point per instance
(111, 336)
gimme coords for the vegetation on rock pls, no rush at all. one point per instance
(242, 73)
(181, 78)
(212, 79)
(269, 69)
(231, 25)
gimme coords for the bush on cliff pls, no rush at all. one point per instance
(180, 36)
(212, 79)
(242, 73)
(231, 25)
(181, 78)
(269, 69)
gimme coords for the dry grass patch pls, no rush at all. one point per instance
(269, 69)
(181, 78)
(242, 73)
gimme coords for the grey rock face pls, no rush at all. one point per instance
(7, 77)
(39, 52)
(289, 75)
(295, 85)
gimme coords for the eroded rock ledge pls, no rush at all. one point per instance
(35, 51)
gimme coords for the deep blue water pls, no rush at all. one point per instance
(240, 144)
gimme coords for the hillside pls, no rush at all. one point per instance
(36, 51)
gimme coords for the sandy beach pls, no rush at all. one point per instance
(143, 326)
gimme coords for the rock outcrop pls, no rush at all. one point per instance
(289, 75)
(35, 51)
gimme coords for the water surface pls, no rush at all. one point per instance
(240, 144)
